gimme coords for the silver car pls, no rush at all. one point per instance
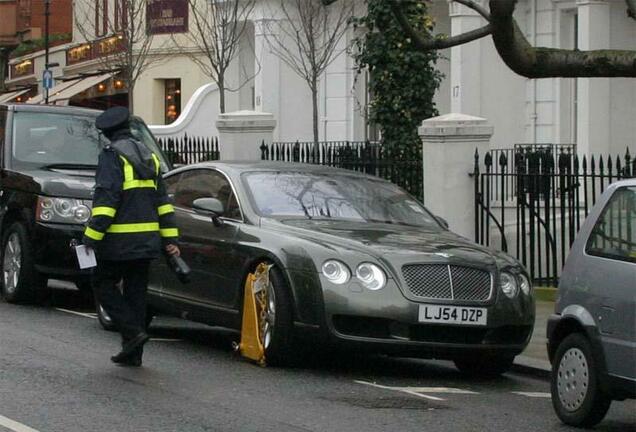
(592, 335)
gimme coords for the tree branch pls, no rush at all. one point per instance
(476, 7)
(631, 8)
(428, 44)
(531, 62)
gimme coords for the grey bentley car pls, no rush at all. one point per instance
(592, 334)
(357, 264)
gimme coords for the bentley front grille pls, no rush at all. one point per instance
(448, 282)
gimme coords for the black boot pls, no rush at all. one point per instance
(131, 350)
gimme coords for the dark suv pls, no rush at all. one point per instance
(48, 156)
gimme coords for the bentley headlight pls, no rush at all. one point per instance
(524, 284)
(508, 285)
(371, 276)
(62, 210)
(336, 272)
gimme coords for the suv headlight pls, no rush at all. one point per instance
(62, 210)
(336, 272)
(524, 284)
(508, 285)
(371, 276)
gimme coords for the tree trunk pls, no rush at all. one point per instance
(221, 84)
(4, 57)
(314, 101)
(131, 99)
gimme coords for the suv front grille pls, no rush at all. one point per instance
(448, 282)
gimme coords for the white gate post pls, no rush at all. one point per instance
(241, 134)
(449, 144)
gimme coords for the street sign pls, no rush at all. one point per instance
(47, 79)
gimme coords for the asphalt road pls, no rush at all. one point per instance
(55, 375)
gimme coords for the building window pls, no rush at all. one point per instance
(121, 14)
(101, 17)
(172, 92)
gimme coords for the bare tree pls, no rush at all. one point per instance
(131, 54)
(518, 54)
(218, 28)
(307, 39)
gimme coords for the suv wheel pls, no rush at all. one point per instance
(576, 395)
(480, 365)
(20, 281)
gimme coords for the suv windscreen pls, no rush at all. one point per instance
(43, 139)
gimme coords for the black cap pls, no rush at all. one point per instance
(112, 118)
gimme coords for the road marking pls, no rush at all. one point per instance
(449, 390)
(14, 425)
(400, 389)
(534, 394)
(83, 314)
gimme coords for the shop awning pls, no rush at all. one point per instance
(6, 97)
(55, 90)
(81, 85)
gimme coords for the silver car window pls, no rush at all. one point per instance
(614, 234)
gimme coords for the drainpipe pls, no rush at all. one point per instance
(534, 115)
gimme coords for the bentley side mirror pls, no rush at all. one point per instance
(442, 221)
(210, 207)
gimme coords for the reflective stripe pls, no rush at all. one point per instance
(134, 184)
(95, 235)
(157, 164)
(165, 209)
(104, 211)
(133, 228)
(128, 170)
(169, 232)
(129, 177)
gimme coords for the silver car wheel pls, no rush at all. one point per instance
(270, 316)
(573, 379)
(12, 263)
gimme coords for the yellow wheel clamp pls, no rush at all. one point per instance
(254, 315)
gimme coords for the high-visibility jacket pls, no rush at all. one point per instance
(132, 217)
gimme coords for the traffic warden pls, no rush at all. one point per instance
(132, 223)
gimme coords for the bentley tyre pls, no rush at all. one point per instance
(20, 281)
(277, 328)
(484, 365)
(577, 397)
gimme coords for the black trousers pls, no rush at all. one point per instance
(126, 306)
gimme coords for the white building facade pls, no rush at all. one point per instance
(596, 114)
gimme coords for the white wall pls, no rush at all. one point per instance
(622, 90)
(149, 90)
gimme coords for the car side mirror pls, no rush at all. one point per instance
(211, 207)
(442, 221)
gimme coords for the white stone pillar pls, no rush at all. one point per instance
(593, 106)
(267, 70)
(465, 76)
(241, 134)
(449, 144)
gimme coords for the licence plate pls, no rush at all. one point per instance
(453, 315)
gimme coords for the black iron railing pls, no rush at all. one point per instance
(550, 193)
(188, 150)
(403, 168)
